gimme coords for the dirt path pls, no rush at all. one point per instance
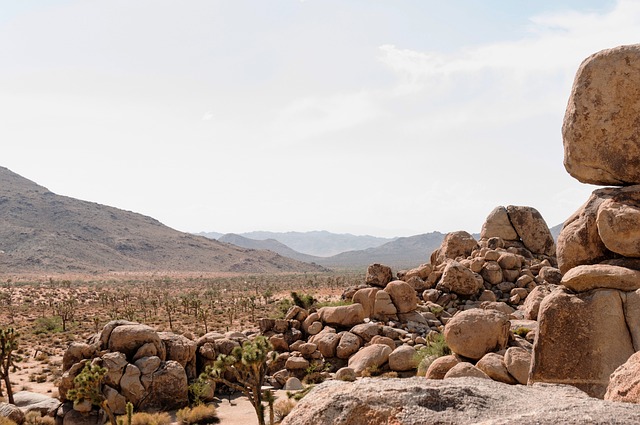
(240, 411)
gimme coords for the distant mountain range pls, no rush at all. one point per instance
(44, 232)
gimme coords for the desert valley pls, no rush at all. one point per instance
(108, 315)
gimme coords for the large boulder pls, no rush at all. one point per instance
(586, 278)
(460, 279)
(455, 244)
(453, 401)
(169, 388)
(531, 304)
(366, 297)
(372, 356)
(344, 315)
(619, 225)
(498, 225)
(582, 338)
(439, 367)
(402, 295)
(182, 350)
(403, 358)
(518, 363)
(624, 384)
(493, 365)
(476, 332)
(128, 339)
(378, 275)
(600, 131)
(465, 370)
(532, 230)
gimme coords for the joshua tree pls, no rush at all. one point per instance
(248, 364)
(87, 386)
(8, 343)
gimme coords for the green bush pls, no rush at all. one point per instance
(47, 325)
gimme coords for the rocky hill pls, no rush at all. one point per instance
(270, 244)
(44, 232)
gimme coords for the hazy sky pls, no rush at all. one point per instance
(386, 117)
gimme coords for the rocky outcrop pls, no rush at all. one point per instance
(455, 401)
(474, 333)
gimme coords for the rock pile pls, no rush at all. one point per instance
(590, 326)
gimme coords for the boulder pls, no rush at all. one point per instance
(296, 363)
(327, 341)
(182, 350)
(465, 370)
(403, 358)
(452, 401)
(532, 230)
(344, 316)
(128, 339)
(531, 304)
(600, 131)
(378, 275)
(115, 364)
(440, 366)
(11, 412)
(293, 384)
(349, 344)
(402, 295)
(366, 331)
(383, 305)
(582, 338)
(75, 352)
(366, 297)
(494, 366)
(624, 383)
(372, 356)
(498, 225)
(117, 402)
(454, 245)
(619, 225)
(459, 279)
(346, 374)
(169, 388)
(473, 333)
(29, 402)
(130, 385)
(518, 363)
(586, 278)
(579, 242)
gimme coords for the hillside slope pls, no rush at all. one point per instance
(41, 231)
(269, 244)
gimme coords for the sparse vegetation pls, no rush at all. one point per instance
(8, 344)
(88, 387)
(522, 331)
(200, 415)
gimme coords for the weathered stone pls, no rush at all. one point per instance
(293, 384)
(531, 305)
(492, 272)
(378, 275)
(465, 370)
(459, 279)
(473, 333)
(180, 349)
(148, 365)
(454, 245)
(345, 316)
(278, 343)
(29, 402)
(440, 366)
(619, 227)
(532, 229)
(366, 297)
(128, 339)
(327, 342)
(508, 260)
(169, 388)
(413, 401)
(75, 352)
(579, 242)
(497, 224)
(518, 363)
(296, 363)
(117, 402)
(586, 278)
(422, 271)
(115, 364)
(383, 305)
(624, 383)
(346, 374)
(402, 295)
(600, 131)
(493, 365)
(372, 356)
(131, 387)
(11, 412)
(349, 344)
(575, 339)
(403, 358)
(379, 339)
(225, 346)
(307, 348)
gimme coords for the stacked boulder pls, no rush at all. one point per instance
(147, 368)
(590, 326)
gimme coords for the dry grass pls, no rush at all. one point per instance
(202, 414)
(143, 418)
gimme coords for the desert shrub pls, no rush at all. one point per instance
(338, 303)
(143, 418)
(370, 371)
(198, 390)
(314, 373)
(6, 421)
(202, 414)
(47, 325)
(305, 300)
(282, 407)
(34, 418)
(522, 331)
(298, 395)
(436, 347)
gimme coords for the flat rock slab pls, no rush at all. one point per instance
(586, 278)
(423, 401)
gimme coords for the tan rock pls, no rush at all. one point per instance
(379, 339)
(366, 331)
(492, 272)
(619, 227)
(532, 229)
(346, 374)
(582, 338)
(372, 356)
(465, 370)
(169, 389)
(518, 362)
(349, 344)
(383, 305)
(579, 242)
(327, 341)
(366, 297)
(459, 279)
(402, 295)
(440, 366)
(624, 384)
(454, 245)
(422, 271)
(180, 349)
(128, 339)
(296, 363)
(378, 275)
(131, 387)
(497, 224)
(493, 365)
(473, 333)
(403, 358)
(586, 278)
(531, 304)
(600, 131)
(345, 316)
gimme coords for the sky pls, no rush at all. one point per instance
(381, 117)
